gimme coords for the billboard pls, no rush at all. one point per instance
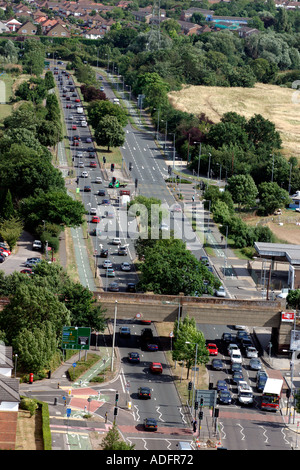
(75, 337)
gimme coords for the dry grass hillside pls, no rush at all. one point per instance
(279, 105)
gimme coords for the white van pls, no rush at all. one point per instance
(83, 124)
(184, 445)
(245, 394)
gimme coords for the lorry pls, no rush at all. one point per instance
(79, 110)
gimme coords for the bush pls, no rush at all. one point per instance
(29, 404)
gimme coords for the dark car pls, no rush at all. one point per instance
(131, 287)
(133, 357)
(124, 331)
(255, 364)
(217, 364)
(103, 253)
(237, 377)
(245, 343)
(101, 192)
(228, 338)
(150, 424)
(2, 258)
(260, 384)
(152, 347)
(236, 367)
(144, 392)
(87, 189)
(105, 202)
(222, 386)
(224, 397)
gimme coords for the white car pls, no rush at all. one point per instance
(220, 292)
(84, 174)
(80, 164)
(116, 241)
(80, 154)
(251, 351)
(93, 211)
(233, 347)
(283, 294)
(107, 264)
(125, 267)
(71, 117)
(236, 357)
(164, 226)
(98, 179)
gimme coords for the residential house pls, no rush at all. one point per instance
(4, 28)
(28, 28)
(188, 28)
(142, 16)
(245, 31)
(186, 15)
(94, 33)
(13, 25)
(58, 31)
(48, 24)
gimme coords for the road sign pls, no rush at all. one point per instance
(209, 397)
(74, 337)
(68, 412)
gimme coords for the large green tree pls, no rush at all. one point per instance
(109, 132)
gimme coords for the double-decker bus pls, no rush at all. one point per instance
(271, 395)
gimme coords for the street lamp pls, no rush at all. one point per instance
(114, 336)
(194, 382)
(199, 158)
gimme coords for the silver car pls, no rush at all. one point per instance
(255, 364)
(251, 352)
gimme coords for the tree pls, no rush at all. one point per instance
(109, 132)
(272, 197)
(243, 190)
(262, 133)
(186, 337)
(10, 230)
(97, 110)
(112, 441)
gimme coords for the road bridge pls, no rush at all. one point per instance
(217, 311)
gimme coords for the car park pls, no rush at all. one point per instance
(134, 357)
(221, 385)
(156, 368)
(125, 267)
(144, 392)
(251, 351)
(255, 364)
(150, 424)
(124, 331)
(212, 349)
(217, 364)
(114, 287)
(224, 397)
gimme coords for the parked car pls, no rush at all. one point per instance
(221, 385)
(220, 292)
(2, 258)
(114, 287)
(37, 245)
(124, 331)
(131, 287)
(232, 347)
(251, 351)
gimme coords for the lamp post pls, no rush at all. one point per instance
(194, 381)
(114, 337)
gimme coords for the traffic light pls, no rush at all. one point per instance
(216, 412)
(200, 415)
(112, 167)
(190, 385)
(130, 166)
(104, 159)
(115, 411)
(117, 396)
(196, 405)
(201, 401)
(136, 182)
(114, 179)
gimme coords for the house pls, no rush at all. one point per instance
(28, 28)
(58, 31)
(142, 16)
(13, 25)
(93, 34)
(9, 400)
(245, 31)
(4, 28)
(188, 28)
(186, 15)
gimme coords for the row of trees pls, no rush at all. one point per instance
(40, 305)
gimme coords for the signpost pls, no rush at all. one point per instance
(74, 337)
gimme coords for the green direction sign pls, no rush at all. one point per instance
(75, 337)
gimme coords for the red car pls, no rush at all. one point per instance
(156, 368)
(77, 100)
(76, 143)
(212, 349)
(96, 219)
(93, 165)
(74, 127)
(4, 250)
(26, 271)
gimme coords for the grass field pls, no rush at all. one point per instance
(279, 105)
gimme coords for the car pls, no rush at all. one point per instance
(237, 377)
(212, 349)
(228, 338)
(245, 394)
(151, 347)
(261, 373)
(26, 271)
(221, 385)
(122, 250)
(131, 287)
(107, 264)
(98, 180)
(77, 100)
(150, 424)
(93, 211)
(240, 327)
(163, 226)
(116, 241)
(260, 384)
(224, 397)
(133, 357)
(236, 357)
(124, 331)
(283, 294)
(144, 392)
(74, 127)
(255, 364)
(251, 351)
(217, 364)
(125, 267)
(110, 272)
(232, 347)
(95, 219)
(145, 322)
(236, 367)
(89, 140)
(93, 164)
(76, 143)
(101, 192)
(176, 208)
(87, 189)
(114, 287)
(156, 367)
(105, 202)
(246, 343)
(4, 252)
(37, 245)
(220, 292)
(109, 214)
(84, 174)
(31, 263)
(2, 258)
(80, 164)
(204, 260)
(103, 253)
(71, 117)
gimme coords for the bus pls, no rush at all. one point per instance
(271, 395)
